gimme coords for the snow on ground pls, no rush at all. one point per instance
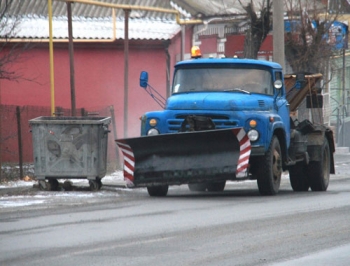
(112, 184)
(10, 200)
(116, 176)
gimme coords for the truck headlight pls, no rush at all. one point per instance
(152, 132)
(253, 135)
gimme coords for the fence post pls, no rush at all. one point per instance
(18, 114)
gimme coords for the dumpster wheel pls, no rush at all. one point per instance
(95, 184)
(54, 184)
(99, 181)
(44, 186)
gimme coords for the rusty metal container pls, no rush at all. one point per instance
(70, 147)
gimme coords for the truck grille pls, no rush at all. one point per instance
(220, 121)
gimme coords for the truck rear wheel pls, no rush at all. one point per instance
(298, 177)
(270, 169)
(54, 184)
(216, 186)
(158, 191)
(319, 171)
(198, 187)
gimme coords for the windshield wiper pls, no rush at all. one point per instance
(239, 90)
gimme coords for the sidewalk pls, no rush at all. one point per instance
(341, 158)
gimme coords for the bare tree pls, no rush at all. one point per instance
(307, 42)
(260, 23)
(10, 51)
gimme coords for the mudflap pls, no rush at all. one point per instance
(186, 157)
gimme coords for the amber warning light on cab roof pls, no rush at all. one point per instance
(195, 52)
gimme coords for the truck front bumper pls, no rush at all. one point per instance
(257, 151)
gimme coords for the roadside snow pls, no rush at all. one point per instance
(43, 197)
(112, 184)
(116, 176)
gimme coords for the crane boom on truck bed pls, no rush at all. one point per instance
(229, 119)
(304, 88)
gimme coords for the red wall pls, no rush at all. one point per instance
(99, 80)
(235, 45)
(175, 46)
(208, 44)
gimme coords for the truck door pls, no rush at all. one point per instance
(282, 105)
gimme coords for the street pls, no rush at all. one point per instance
(119, 226)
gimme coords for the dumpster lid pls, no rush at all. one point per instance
(70, 120)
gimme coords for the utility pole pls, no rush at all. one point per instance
(126, 70)
(278, 32)
(71, 58)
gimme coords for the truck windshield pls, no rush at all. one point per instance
(223, 79)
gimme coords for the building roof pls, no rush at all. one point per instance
(192, 7)
(90, 21)
(37, 27)
(59, 8)
(96, 22)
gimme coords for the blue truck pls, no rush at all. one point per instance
(230, 119)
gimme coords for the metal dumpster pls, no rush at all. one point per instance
(69, 148)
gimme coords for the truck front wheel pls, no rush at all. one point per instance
(319, 171)
(270, 169)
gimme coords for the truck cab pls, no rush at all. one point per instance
(232, 93)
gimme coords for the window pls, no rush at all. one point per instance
(223, 79)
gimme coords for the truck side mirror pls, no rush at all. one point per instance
(144, 79)
(278, 84)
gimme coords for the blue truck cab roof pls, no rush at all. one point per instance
(233, 61)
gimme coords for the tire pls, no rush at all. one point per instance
(54, 184)
(216, 186)
(68, 185)
(319, 171)
(270, 170)
(94, 186)
(198, 187)
(298, 177)
(158, 191)
(44, 185)
(99, 182)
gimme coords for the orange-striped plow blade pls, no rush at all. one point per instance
(186, 157)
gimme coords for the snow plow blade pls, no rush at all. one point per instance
(187, 157)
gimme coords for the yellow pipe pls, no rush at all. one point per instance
(114, 25)
(134, 7)
(56, 40)
(52, 79)
(109, 5)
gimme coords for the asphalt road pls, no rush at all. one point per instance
(236, 227)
